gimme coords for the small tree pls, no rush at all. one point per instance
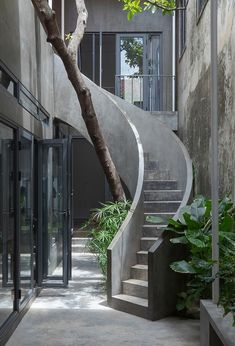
(68, 55)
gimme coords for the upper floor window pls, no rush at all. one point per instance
(200, 7)
(182, 28)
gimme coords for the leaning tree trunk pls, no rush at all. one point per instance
(69, 57)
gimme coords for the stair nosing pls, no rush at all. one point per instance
(160, 213)
(154, 225)
(160, 190)
(162, 201)
(174, 180)
(140, 266)
(137, 282)
(132, 299)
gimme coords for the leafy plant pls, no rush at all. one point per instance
(193, 228)
(137, 6)
(104, 224)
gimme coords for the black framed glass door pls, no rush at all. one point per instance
(27, 261)
(54, 226)
(138, 70)
(7, 220)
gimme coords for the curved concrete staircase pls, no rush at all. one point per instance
(161, 199)
(139, 278)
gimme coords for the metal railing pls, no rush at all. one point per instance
(24, 97)
(149, 92)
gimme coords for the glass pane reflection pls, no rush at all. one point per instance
(53, 215)
(7, 220)
(25, 167)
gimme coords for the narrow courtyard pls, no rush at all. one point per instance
(78, 315)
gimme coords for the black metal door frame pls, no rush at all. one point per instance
(43, 278)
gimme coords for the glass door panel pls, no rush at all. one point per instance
(26, 214)
(7, 220)
(138, 78)
(54, 212)
(131, 68)
(155, 77)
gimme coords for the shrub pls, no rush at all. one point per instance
(104, 224)
(193, 228)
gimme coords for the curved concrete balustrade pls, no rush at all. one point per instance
(119, 135)
(127, 153)
(163, 146)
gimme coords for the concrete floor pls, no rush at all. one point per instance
(79, 316)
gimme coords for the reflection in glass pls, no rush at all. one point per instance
(7, 220)
(53, 214)
(131, 66)
(26, 241)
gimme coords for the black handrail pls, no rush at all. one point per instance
(24, 97)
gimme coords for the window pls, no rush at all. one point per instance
(200, 7)
(182, 28)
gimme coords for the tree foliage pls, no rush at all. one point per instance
(137, 6)
(133, 52)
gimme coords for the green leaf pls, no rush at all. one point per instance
(192, 224)
(179, 240)
(227, 223)
(180, 306)
(182, 267)
(130, 15)
(182, 211)
(193, 238)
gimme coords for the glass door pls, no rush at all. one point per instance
(7, 220)
(138, 78)
(54, 228)
(27, 261)
(131, 68)
(156, 81)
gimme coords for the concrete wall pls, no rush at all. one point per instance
(194, 95)
(24, 50)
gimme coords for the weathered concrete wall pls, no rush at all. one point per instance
(194, 95)
(24, 50)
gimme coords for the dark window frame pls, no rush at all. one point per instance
(182, 29)
(200, 7)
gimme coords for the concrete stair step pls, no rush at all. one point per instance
(79, 245)
(130, 304)
(142, 257)
(136, 288)
(80, 241)
(79, 233)
(161, 206)
(132, 299)
(151, 165)
(163, 216)
(152, 230)
(160, 185)
(162, 195)
(147, 242)
(152, 174)
(139, 272)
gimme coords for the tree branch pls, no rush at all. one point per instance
(80, 28)
(68, 56)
